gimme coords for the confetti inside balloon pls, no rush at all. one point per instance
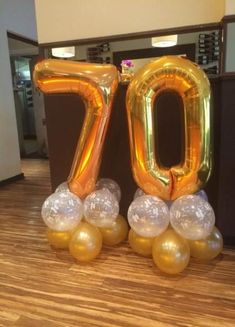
(192, 217)
(62, 187)
(139, 192)
(202, 194)
(111, 185)
(148, 216)
(62, 211)
(101, 208)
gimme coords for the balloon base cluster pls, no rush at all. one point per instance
(83, 227)
(168, 231)
(171, 232)
(85, 241)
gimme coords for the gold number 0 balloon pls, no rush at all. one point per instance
(96, 84)
(170, 73)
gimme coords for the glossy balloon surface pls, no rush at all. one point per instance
(170, 252)
(96, 84)
(59, 240)
(86, 242)
(115, 234)
(207, 248)
(139, 244)
(175, 74)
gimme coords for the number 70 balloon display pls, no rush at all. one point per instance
(96, 84)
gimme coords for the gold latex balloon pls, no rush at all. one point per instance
(59, 240)
(115, 234)
(86, 242)
(141, 245)
(207, 248)
(170, 252)
(170, 73)
(96, 84)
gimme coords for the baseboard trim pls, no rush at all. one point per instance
(12, 179)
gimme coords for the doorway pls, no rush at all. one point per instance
(29, 104)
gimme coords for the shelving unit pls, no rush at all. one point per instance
(99, 54)
(208, 52)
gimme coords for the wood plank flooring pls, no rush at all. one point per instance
(41, 287)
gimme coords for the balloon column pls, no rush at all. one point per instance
(81, 211)
(184, 223)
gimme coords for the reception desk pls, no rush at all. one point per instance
(64, 118)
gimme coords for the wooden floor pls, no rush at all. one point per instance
(41, 287)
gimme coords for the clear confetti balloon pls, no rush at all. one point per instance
(111, 185)
(62, 187)
(62, 211)
(101, 208)
(139, 192)
(168, 203)
(148, 216)
(192, 217)
(202, 194)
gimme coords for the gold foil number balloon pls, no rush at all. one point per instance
(170, 73)
(96, 84)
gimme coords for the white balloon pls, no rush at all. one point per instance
(192, 217)
(202, 194)
(111, 185)
(62, 211)
(168, 203)
(101, 208)
(148, 216)
(62, 187)
(139, 192)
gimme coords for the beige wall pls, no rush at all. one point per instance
(229, 7)
(17, 17)
(60, 20)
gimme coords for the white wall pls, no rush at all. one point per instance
(58, 20)
(16, 16)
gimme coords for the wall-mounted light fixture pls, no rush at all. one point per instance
(164, 41)
(66, 52)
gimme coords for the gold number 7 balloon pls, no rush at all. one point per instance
(96, 84)
(190, 82)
